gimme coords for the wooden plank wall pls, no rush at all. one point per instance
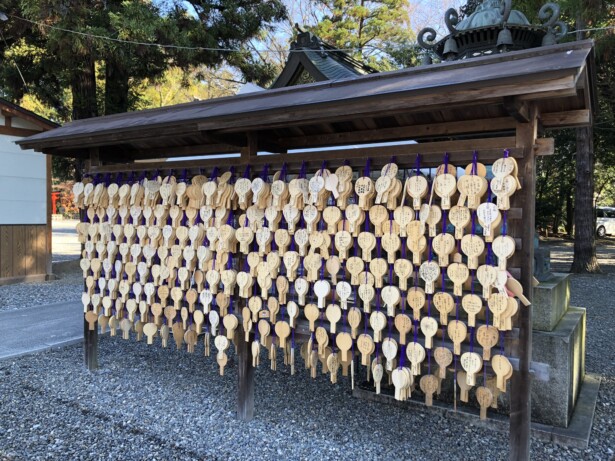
(23, 251)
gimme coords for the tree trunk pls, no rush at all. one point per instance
(584, 259)
(83, 87)
(585, 228)
(116, 88)
(569, 213)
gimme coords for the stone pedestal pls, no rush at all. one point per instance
(551, 300)
(563, 349)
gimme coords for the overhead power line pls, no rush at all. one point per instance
(3, 17)
(176, 47)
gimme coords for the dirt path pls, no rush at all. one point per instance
(562, 252)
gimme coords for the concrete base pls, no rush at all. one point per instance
(575, 435)
(563, 349)
(551, 301)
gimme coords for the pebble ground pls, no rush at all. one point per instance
(149, 403)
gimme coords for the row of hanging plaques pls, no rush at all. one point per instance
(407, 273)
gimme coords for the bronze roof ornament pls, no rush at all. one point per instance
(493, 28)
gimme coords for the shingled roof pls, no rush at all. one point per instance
(320, 61)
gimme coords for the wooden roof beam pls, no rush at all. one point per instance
(414, 132)
(517, 109)
(568, 119)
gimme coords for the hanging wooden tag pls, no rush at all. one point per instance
(516, 289)
(503, 188)
(378, 267)
(364, 188)
(377, 373)
(459, 274)
(472, 304)
(391, 243)
(316, 184)
(429, 271)
(366, 346)
(367, 242)
(312, 264)
(429, 385)
(377, 215)
(282, 329)
(378, 322)
(460, 217)
(471, 188)
(311, 216)
(403, 324)
(473, 247)
(333, 314)
(417, 187)
(382, 186)
(302, 239)
(343, 242)
(429, 328)
(332, 216)
(344, 342)
(498, 303)
(354, 320)
(312, 313)
(333, 266)
(487, 276)
(291, 215)
(416, 354)
(291, 263)
(503, 247)
(389, 350)
(432, 219)
(417, 248)
(391, 296)
(443, 357)
(472, 364)
(443, 245)
(367, 293)
(403, 270)
(487, 336)
(355, 216)
(343, 290)
(488, 217)
(457, 332)
(484, 397)
(301, 288)
(322, 288)
(445, 185)
(403, 216)
(355, 266)
(322, 338)
(416, 301)
(503, 370)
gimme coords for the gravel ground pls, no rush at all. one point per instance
(21, 295)
(153, 403)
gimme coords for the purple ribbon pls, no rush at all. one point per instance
(504, 222)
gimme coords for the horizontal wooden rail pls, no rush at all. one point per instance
(432, 154)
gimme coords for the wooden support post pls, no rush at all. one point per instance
(94, 157)
(520, 403)
(90, 346)
(245, 379)
(90, 338)
(249, 152)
